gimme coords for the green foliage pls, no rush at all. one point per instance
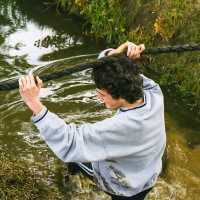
(183, 71)
(165, 23)
(106, 18)
(17, 181)
(178, 23)
(154, 23)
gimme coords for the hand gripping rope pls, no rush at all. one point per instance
(91, 64)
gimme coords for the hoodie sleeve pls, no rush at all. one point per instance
(149, 84)
(69, 142)
(103, 53)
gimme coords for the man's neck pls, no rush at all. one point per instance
(132, 105)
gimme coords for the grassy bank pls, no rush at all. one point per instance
(154, 23)
(18, 181)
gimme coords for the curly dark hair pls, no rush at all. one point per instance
(119, 76)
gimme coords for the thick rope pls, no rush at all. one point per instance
(172, 49)
(91, 64)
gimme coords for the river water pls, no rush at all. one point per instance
(40, 41)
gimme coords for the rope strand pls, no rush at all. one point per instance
(172, 49)
(91, 64)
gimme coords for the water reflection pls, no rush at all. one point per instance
(24, 43)
(29, 39)
(31, 36)
(38, 42)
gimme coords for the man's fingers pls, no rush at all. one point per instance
(29, 81)
(134, 50)
(141, 47)
(26, 82)
(39, 82)
(20, 83)
(131, 49)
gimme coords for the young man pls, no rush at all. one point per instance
(125, 150)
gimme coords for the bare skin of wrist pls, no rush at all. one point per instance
(35, 106)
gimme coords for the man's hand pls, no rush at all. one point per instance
(29, 92)
(133, 50)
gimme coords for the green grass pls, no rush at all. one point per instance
(154, 23)
(18, 181)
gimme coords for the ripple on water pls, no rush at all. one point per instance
(73, 98)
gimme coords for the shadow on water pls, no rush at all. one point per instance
(37, 41)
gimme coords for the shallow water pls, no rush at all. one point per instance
(38, 42)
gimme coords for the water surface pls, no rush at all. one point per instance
(38, 41)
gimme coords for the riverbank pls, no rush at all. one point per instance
(19, 181)
(155, 24)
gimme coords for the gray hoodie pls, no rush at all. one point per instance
(125, 150)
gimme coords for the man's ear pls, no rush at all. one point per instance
(123, 100)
